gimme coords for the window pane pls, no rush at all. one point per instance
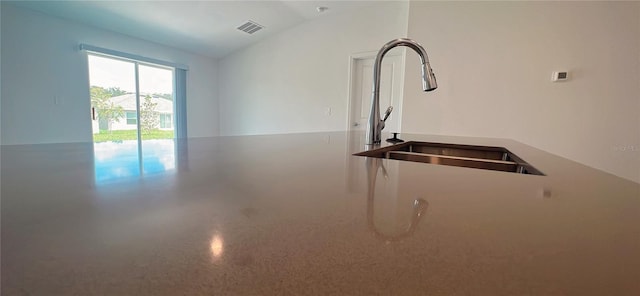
(156, 102)
(131, 118)
(112, 93)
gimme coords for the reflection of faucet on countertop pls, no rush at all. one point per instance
(419, 205)
(375, 124)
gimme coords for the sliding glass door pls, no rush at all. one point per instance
(132, 116)
(113, 99)
(156, 113)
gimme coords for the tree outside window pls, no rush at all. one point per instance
(149, 117)
(107, 111)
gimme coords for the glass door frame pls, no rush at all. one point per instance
(136, 63)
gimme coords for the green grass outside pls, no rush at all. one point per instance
(123, 135)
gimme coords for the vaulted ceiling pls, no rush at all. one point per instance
(204, 27)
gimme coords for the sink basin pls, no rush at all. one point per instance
(478, 157)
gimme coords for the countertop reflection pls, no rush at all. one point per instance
(124, 159)
(299, 214)
(375, 167)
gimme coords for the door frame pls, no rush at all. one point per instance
(351, 85)
(136, 66)
(136, 77)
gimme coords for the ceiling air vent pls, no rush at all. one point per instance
(250, 27)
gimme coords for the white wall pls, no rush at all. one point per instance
(40, 59)
(493, 61)
(286, 83)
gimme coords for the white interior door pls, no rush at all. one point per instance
(390, 91)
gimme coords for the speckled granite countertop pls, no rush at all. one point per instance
(294, 215)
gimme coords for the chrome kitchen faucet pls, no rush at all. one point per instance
(375, 124)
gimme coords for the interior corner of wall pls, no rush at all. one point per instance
(406, 7)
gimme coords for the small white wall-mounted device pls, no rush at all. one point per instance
(560, 76)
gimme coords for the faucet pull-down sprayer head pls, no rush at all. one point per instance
(375, 124)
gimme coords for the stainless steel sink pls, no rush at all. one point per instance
(479, 157)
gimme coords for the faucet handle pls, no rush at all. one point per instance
(387, 113)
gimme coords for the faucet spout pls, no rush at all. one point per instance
(375, 124)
